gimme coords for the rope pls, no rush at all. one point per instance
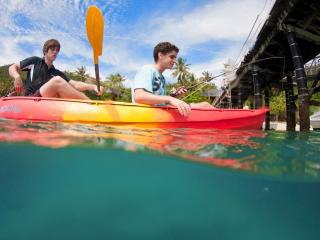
(222, 74)
(247, 39)
(196, 90)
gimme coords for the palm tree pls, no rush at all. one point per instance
(181, 70)
(192, 82)
(207, 86)
(206, 76)
(114, 85)
(82, 73)
(116, 80)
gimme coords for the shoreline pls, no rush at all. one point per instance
(281, 126)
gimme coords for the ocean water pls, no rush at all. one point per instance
(85, 181)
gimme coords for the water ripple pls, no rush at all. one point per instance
(257, 152)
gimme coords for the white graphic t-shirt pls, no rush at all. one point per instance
(150, 80)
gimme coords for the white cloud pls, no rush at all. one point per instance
(25, 22)
(219, 20)
(228, 20)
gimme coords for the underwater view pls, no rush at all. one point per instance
(82, 181)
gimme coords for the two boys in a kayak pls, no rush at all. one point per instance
(44, 80)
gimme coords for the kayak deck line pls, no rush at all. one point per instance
(109, 102)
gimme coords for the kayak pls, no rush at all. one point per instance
(128, 114)
(121, 113)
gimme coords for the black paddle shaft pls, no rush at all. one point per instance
(96, 68)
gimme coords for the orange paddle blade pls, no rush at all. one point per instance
(95, 25)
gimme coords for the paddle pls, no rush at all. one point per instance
(94, 25)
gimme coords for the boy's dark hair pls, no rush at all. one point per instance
(51, 43)
(164, 48)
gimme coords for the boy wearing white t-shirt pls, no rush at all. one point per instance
(149, 83)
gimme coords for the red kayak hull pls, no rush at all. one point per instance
(119, 113)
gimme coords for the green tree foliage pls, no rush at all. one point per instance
(181, 70)
(115, 81)
(114, 86)
(191, 83)
(81, 72)
(196, 97)
(126, 95)
(6, 82)
(278, 106)
(196, 86)
(79, 75)
(206, 76)
(278, 102)
(206, 79)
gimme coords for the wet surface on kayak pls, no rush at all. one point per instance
(76, 181)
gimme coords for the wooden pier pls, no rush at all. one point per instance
(288, 40)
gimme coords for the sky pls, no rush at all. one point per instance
(209, 33)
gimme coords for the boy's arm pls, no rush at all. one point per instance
(144, 97)
(14, 72)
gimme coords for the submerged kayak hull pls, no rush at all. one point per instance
(118, 113)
